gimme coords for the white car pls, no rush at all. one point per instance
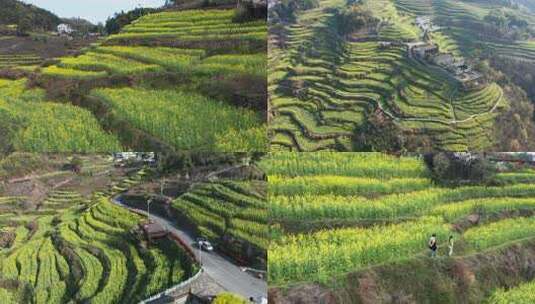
(258, 300)
(204, 244)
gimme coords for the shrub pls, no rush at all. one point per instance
(379, 133)
(286, 10)
(354, 18)
(229, 298)
(460, 168)
(19, 164)
(249, 11)
(9, 126)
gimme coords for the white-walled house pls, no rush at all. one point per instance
(65, 29)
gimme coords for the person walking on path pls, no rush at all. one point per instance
(450, 246)
(433, 245)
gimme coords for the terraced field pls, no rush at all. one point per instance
(42, 126)
(461, 21)
(334, 214)
(7, 61)
(523, 294)
(152, 110)
(228, 209)
(196, 26)
(79, 249)
(323, 87)
(187, 80)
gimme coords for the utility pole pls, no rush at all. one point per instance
(148, 208)
(200, 253)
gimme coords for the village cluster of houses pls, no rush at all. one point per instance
(457, 67)
(430, 53)
(67, 31)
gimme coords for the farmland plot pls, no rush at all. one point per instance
(325, 88)
(184, 80)
(72, 248)
(334, 214)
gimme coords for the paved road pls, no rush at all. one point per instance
(225, 273)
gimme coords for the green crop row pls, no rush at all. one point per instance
(257, 33)
(389, 215)
(344, 185)
(500, 232)
(186, 16)
(345, 164)
(48, 126)
(334, 205)
(106, 62)
(234, 65)
(186, 120)
(178, 60)
(225, 207)
(320, 255)
(197, 28)
(523, 294)
(59, 72)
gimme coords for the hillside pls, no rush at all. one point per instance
(349, 76)
(35, 18)
(232, 213)
(62, 240)
(173, 80)
(353, 228)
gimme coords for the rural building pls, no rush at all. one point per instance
(124, 156)
(147, 157)
(460, 67)
(154, 231)
(505, 160)
(457, 67)
(454, 65)
(470, 79)
(425, 51)
(423, 22)
(446, 59)
(65, 29)
(411, 45)
(385, 44)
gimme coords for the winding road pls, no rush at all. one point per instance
(222, 270)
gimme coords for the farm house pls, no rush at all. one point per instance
(154, 230)
(65, 29)
(425, 51)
